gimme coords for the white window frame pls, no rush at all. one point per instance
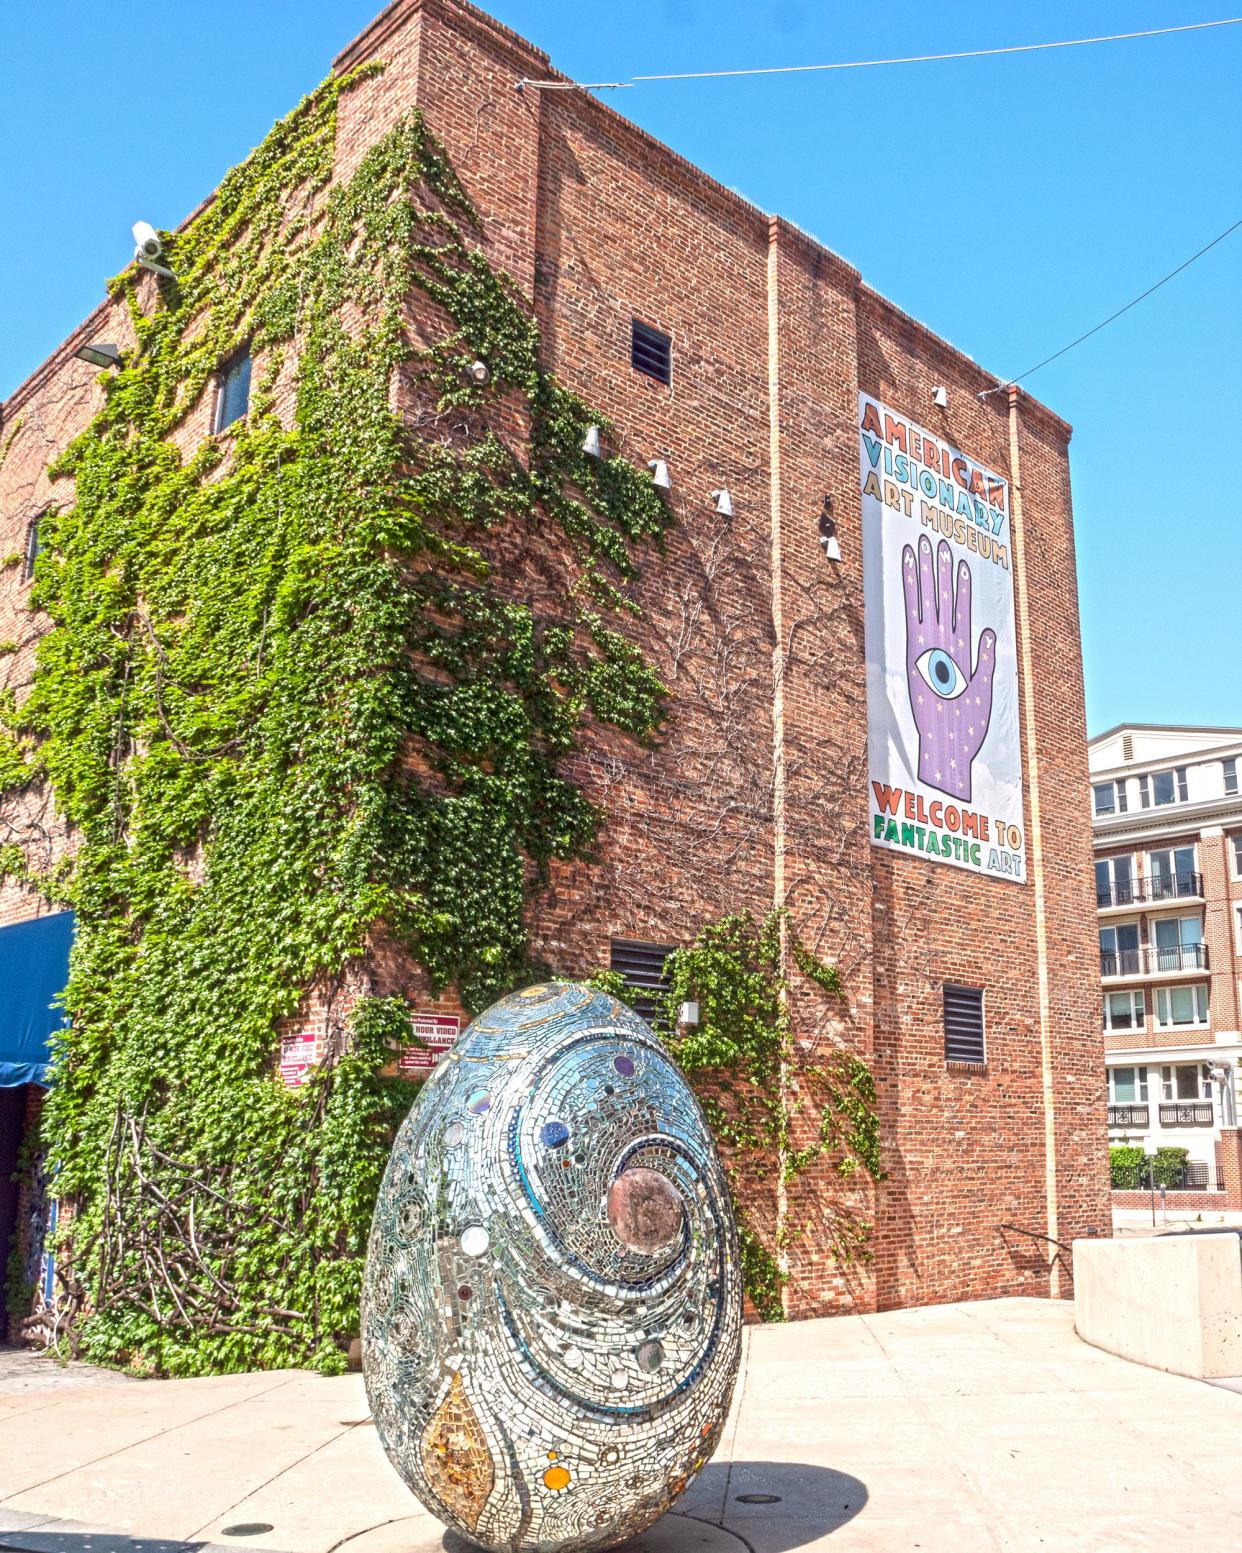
(1119, 799)
(1141, 1085)
(1138, 1009)
(1229, 770)
(1109, 864)
(1168, 1084)
(1179, 917)
(1164, 995)
(1174, 872)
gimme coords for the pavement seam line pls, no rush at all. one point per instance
(737, 1419)
(998, 1538)
(146, 1439)
(259, 1487)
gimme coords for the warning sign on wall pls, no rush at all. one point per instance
(298, 1055)
(439, 1031)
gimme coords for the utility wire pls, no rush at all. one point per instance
(1134, 302)
(867, 64)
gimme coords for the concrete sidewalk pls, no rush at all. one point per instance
(943, 1430)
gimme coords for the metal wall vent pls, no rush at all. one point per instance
(963, 1023)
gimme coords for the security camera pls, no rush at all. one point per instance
(149, 248)
(147, 241)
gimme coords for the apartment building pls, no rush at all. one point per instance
(1167, 824)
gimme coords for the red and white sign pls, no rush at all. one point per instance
(439, 1031)
(298, 1055)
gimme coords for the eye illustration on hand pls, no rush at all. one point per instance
(952, 720)
(941, 673)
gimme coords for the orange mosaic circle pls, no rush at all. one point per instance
(556, 1478)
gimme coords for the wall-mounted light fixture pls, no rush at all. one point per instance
(724, 502)
(688, 1014)
(828, 540)
(659, 474)
(480, 372)
(590, 443)
(99, 355)
(940, 398)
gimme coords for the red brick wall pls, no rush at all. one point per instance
(758, 793)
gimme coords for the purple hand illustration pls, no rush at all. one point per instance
(952, 706)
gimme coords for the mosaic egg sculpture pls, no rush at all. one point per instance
(552, 1305)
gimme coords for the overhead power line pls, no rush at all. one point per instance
(1134, 302)
(870, 64)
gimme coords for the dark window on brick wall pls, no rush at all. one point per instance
(233, 399)
(642, 965)
(651, 352)
(963, 1023)
(33, 546)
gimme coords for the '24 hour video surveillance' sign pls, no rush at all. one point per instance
(945, 752)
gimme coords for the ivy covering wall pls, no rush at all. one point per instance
(283, 699)
(772, 1113)
(290, 696)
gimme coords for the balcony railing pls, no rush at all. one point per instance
(1129, 1115)
(1186, 1113)
(1152, 960)
(1161, 887)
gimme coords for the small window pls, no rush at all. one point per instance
(233, 397)
(1127, 1086)
(1105, 798)
(963, 1024)
(642, 965)
(1166, 787)
(651, 352)
(1181, 1006)
(1237, 855)
(1231, 776)
(1124, 1011)
(33, 545)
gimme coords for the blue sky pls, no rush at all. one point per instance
(1008, 203)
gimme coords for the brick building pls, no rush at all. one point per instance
(746, 359)
(1168, 861)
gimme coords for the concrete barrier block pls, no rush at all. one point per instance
(1171, 1301)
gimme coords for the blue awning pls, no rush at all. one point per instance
(34, 967)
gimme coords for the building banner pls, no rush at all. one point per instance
(944, 746)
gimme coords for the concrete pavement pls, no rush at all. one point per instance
(944, 1430)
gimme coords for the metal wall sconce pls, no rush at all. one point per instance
(480, 373)
(99, 355)
(940, 398)
(659, 474)
(724, 502)
(828, 540)
(688, 1014)
(590, 443)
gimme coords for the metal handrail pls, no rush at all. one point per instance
(1186, 1113)
(1151, 960)
(1159, 887)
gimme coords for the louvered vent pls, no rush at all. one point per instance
(1127, 746)
(642, 965)
(963, 1023)
(651, 352)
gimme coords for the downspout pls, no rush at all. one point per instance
(1036, 837)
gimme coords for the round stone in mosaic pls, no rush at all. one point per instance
(574, 1402)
